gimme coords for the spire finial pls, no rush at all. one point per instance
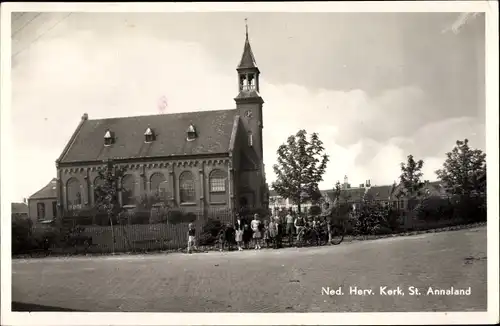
(246, 27)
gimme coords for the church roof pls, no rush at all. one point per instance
(48, 191)
(247, 58)
(213, 129)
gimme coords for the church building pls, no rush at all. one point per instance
(195, 160)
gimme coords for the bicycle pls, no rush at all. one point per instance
(308, 236)
(336, 232)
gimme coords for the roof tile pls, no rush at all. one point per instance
(247, 58)
(49, 191)
(19, 208)
(213, 129)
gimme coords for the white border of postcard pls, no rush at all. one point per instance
(407, 318)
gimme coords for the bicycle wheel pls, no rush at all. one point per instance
(314, 238)
(322, 236)
(300, 241)
(337, 235)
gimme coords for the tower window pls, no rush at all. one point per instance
(247, 82)
(149, 135)
(250, 139)
(191, 133)
(108, 138)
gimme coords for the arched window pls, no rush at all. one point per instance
(128, 190)
(158, 185)
(186, 187)
(98, 182)
(73, 194)
(218, 181)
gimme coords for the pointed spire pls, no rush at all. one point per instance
(246, 29)
(247, 59)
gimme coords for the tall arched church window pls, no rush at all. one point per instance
(218, 181)
(187, 188)
(128, 190)
(73, 194)
(98, 183)
(158, 185)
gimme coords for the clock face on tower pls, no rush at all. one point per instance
(248, 114)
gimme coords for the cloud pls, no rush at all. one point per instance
(461, 21)
(112, 73)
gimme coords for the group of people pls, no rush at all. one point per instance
(257, 233)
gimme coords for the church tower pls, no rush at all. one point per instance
(249, 102)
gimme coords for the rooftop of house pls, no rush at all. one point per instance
(212, 134)
(19, 208)
(353, 193)
(47, 192)
(371, 193)
(379, 192)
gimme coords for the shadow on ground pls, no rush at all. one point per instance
(20, 307)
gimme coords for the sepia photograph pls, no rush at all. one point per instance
(248, 160)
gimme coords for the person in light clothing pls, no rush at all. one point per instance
(300, 223)
(256, 228)
(191, 238)
(273, 233)
(239, 226)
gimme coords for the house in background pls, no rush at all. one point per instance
(19, 210)
(429, 189)
(43, 204)
(278, 203)
(201, 161)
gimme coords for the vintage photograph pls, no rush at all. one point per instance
(251, 162)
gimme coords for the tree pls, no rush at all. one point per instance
(411, 175)
(336, 192)
(301, 165)
(464, 171)
(106, 192)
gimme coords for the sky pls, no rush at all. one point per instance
(376, 87)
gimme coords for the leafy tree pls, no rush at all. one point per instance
(336, 191)
(301, 165)
(106, 192)
(411, 177)
(464, 171)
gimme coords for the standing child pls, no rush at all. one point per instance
(273, 233)
(290, 228)
(221, 238)
(230, 236)
(247, 235)
(256, 228)
(239, 232)
(266, 236)
(191, 238)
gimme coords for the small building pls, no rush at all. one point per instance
(19, 210)
(43, 203)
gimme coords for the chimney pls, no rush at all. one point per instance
(25, 200)
(85, 116)
(361, 185)
(368, 183)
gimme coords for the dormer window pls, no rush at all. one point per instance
(149, 135)
(191, 133)
(108, 138)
